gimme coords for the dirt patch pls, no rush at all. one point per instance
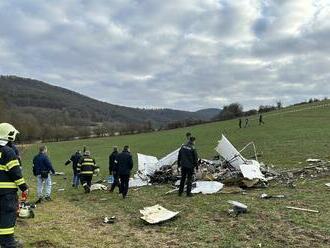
(44, 244)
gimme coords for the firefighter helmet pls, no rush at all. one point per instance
(7, 132)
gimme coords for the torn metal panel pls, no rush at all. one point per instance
(313, 160)
(137, 182)
(98, 186)
(157, 214)
(147, 165)
(168, 160)
(207, 187)
(230, 153)
(251, 170)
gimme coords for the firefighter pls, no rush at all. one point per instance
(113, 169)
(188, 161)
(10, 180)
(86, 168)
(75, 158)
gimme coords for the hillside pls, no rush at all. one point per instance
(50, 104)
(287, 139)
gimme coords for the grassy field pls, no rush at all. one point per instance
(288, 138)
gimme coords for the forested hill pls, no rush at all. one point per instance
(44, 104)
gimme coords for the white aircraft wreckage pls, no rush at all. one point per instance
(157, 214)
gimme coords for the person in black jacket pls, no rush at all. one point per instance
(75, 158)
(41, 169)
(187, 161)
(113, 169)
(125, 165)
(86, 167)
(10, 180)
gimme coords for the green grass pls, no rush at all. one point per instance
(287, 139)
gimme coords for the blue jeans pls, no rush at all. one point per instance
(75, 180)
(40, 186)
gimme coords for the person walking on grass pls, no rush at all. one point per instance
(246, 122)
(113, 169)
(75, 158)
(125, 165)
(261, 121)
(240, 123)
(86, 168)
(188, 162)
(42, 167)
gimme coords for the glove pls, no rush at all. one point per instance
(25, 195)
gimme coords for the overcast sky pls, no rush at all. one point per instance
(182, 54)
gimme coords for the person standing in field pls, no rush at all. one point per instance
(261, 120)
(86, 168)
(125, 165)
(75, 158)
(246, 122)
(10, 180)
(240, 123)
(188, 162)
(42, 167)
(113, 169)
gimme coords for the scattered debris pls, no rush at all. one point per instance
(60, 190)
(108, 220)
(231, 190)
(238, 208)
(303, 209)
(157, 214)
(137, 182)
(266, 196)
(25, 210)
(313, 160)
(327, 184)
(98, 186)
(59, 173)
(207, 187)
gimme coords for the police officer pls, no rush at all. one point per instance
(187, 161)
(86, 168)
(125, 165)
(75, 158)
(113, 169)
(10, 179)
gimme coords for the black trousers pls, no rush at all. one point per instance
(86, 179)
(186, 173)
(8, 208)
(115, 181)
(124, 180)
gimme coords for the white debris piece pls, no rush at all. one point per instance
(157, 214)
(207, 187)
(251, 170)
(169, 159)
(313, 160)
(327, 184)
(147, 164)
(137, 182)
(98, 186)
(229, 153)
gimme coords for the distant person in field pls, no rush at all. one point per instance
(240, 123)
(113, 169)
(42, 167)
(188, 162)
(75, 158)
(261, 120)
(246, 122)
(125, 165)
(86, 168)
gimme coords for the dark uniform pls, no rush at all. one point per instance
(10, 179)
(75, 158)
(85, 168)
(113, 170)
(187, 160)
(125, 165)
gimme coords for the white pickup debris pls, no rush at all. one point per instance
(238, 208)
(207, 187)
(251, 170)
(157, 214)
(137, 182)
(313, 160)
(303, 209)
(98, 186)
(327, 184)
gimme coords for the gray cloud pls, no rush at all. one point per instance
(184, 54)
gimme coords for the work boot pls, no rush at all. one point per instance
(39, 201)
(87, 189)
(47, 198)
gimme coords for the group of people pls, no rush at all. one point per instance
(84, 166)
(261, 121)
